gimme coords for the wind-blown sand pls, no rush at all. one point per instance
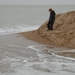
(63, 34)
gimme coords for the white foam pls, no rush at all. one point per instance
(68, 58)
(25, 61)
(17, 29)
(26, 66)
(34, 47)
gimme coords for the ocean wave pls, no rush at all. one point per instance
(11, 30)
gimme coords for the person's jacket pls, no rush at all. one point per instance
(52, 16)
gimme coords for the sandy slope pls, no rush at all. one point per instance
(63, 34)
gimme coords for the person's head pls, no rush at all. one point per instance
(50, 10)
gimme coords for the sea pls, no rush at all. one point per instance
(21, 56)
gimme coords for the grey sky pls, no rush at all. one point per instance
(35, 2)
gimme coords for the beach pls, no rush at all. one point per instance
(27, 48)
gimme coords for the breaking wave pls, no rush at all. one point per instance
(12, 30)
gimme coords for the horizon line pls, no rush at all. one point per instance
(36, 4)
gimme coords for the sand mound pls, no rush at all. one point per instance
(64, 30)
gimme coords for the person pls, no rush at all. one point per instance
(51, 19)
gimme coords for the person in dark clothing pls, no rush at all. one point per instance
(51, 19)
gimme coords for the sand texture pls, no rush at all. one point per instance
(63, 34)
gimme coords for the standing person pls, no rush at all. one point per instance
(51, 19)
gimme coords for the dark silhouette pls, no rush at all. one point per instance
(51, 19)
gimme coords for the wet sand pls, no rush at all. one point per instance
(33, 35)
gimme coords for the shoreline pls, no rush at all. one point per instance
(34, 36)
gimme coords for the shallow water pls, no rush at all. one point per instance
(19, 56)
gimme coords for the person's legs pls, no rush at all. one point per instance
(51, 26)
(48, 26)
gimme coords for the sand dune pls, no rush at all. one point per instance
(63, 34)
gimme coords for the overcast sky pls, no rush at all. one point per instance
(35, 2)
